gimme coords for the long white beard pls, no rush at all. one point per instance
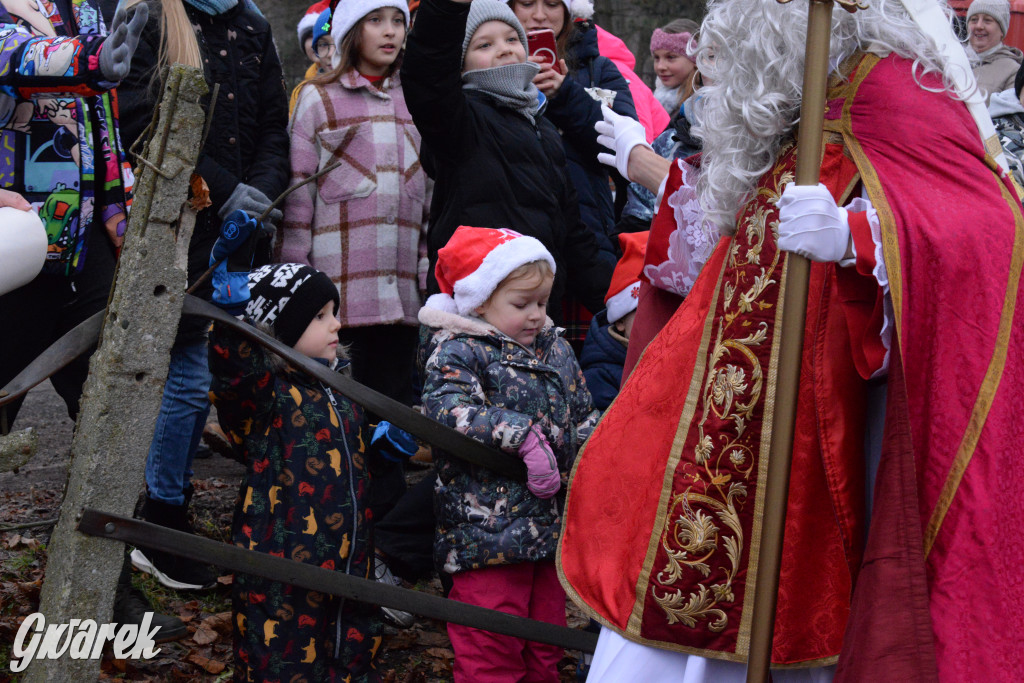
(752, 103)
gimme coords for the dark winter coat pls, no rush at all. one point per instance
(604, 354)
(593, 80)
(303, 498)
(494, 389)
(248, 138)
(493, 167)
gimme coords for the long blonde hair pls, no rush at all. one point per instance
(178, 43)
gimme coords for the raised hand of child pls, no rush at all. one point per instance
(392, 443)
(233, 253)
(542, 476)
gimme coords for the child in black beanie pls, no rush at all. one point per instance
(305, 486)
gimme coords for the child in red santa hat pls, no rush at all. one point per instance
(499, 371)
(604, 351)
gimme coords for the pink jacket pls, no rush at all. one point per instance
(364, 223)
(648, 110)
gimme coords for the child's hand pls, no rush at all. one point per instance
(548, 81)
(233, 254)
(542, 476)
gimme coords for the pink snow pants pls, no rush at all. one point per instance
(530, 589)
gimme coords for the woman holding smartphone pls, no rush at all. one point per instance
(575, 91)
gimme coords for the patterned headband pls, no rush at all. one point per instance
(673, 42)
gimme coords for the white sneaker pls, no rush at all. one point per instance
(382, 573)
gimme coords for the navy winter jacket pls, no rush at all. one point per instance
(574, 109)
(602, 360)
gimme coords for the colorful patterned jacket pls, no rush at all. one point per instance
(482, 383)
(60, 146)
(303, 498)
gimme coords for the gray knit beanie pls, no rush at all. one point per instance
(997, 9)
(481, 11)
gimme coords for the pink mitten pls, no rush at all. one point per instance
(541, 467)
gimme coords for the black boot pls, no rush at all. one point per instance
(170, 570)
(130, 607)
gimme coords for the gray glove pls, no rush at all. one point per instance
(119, 46)
(250, 200)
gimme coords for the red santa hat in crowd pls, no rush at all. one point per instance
(308, 20)
(624, 291)
(475, 261)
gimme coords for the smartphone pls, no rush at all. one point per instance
(541, 43)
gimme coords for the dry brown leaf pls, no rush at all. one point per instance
(211, 666)
(200, 193)
(433, 639)
(220, 622)
(439, 653)
(205, 635)
(402, 640)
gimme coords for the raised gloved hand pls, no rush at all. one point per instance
(810, 223)
(620, 134)
(542, 476)
(234, 251)
(250, 200)
(394, 444)
(119, 46)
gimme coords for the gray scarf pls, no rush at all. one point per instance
(511, 85)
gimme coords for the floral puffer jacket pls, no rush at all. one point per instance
(482, 383)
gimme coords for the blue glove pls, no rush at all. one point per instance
(394, 444)
(233, 253)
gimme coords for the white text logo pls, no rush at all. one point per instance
(81, 639)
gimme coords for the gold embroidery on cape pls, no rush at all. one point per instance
(701, 522)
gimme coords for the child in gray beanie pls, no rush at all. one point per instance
(496, 160)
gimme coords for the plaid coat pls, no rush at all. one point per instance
(363, 224)
(482, 383)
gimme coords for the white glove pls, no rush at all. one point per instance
(620, 134)
(810, 223)
(120, 43)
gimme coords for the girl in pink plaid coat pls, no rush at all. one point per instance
(363, 223)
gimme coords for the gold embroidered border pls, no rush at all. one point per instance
(689, 409)
(989, 386)
(771, 377)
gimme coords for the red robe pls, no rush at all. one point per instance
(695, 416)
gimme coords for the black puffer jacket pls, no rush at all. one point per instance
(575, 108)
(493, 167)
(248, 138)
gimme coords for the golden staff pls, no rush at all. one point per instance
(794, 313)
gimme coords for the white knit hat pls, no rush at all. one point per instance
(475, 261)
(997, 9)
(348, 13)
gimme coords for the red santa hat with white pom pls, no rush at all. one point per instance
(624, 291)
(475, 261)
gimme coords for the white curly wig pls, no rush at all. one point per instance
(752, 54)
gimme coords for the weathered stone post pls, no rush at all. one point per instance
(126, 375)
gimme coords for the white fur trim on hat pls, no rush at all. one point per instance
(441, 302)
(22, 247)
(348, 13)
(476, 288)
(623, 303)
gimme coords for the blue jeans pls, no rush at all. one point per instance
(179, 426)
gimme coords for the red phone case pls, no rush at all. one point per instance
(542, 44)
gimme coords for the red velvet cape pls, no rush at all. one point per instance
(668, 564)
